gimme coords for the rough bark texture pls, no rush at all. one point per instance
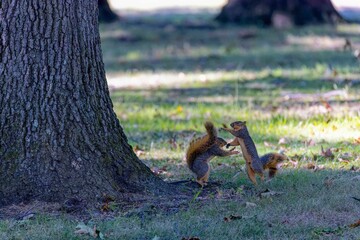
(105, 13)
(59, 136)
(299, 12)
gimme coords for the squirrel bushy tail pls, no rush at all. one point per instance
(201, 144)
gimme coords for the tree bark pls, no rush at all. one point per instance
(106, 15)
(59, 136)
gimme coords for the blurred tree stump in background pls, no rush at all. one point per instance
(268, 12)
(106, 15)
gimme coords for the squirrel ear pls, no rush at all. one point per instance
(244, 122)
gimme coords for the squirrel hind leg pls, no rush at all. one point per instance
(251, 174)
(203, 174)
(272, 172)
(204, 180)
(262, 177)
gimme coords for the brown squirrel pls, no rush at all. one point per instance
(202, 150)
(254, 163)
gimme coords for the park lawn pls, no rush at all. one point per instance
(299, 93)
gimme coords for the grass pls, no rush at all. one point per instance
(275, 80)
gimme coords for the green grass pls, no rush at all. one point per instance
(215, 75)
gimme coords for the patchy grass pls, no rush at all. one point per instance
(298, 91)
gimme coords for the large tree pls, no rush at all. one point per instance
(59, 135)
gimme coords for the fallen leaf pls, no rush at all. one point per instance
(267, 144)
(294, 163)
(353, 168)
(158, 171)
(328, 182)
(343, 160)
(282, 141)
(173, 143)
(269, 193)
(28, 217)
(138, 151)
(345, 156)
(310, 143)
(327, 153)
(83, 229)
(247, 33)
(326, 105)
(355, 224)
(319, 167)
(310, 166)
(107, 203)
(232, 217)
(328, 231)
(249, 204)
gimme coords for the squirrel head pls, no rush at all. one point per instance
(238, 125)
(279, 158)
(240, 129)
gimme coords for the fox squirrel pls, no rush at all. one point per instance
(271, 161)
(202, 150)
(254, 164)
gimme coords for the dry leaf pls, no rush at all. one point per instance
(346, 156)
(328, 182)
(310, 143)
(319, 167)
(294, 163)
(83, 229)
(173, 143)
(249, 204)
(310, 166)
(158, 171)
(282, 141)
(269, 193)
(328, 153)
(343, 160)
(138, 151)
(355, 224)
(267, 144)
(232, 217)
(326, 105)
(107, 200)
(353, 168)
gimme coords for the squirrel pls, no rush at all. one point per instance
(254, 163)
(202, 150)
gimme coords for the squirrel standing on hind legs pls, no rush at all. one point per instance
(202, 150)
(254, 163)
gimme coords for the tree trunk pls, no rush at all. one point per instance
(266, 12)
(59, 136)
(106, 15)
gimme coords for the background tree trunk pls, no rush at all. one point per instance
(105, 13)
(263, 12)
(60, 137)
